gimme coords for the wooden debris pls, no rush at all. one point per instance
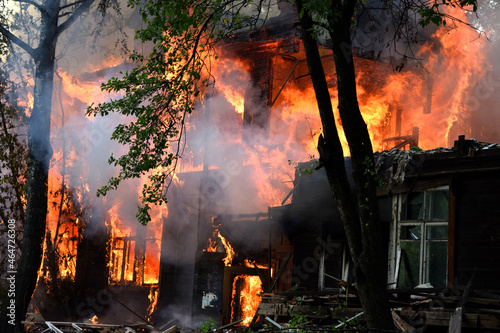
(442, 318)
(350, 319)
(280, 270)
(173, 329)
(135, 313)
(65, 327)
(229, 325)
(274, 323)
(455, 325)
(273, 309)
(456, 319)
(402, 325)
(52, 327)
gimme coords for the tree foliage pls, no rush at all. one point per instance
(12, 155)
(13, 169)
(162, 89)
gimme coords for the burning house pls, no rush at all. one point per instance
(441, 229)
(242, 221)
(444, 228)
(296, 239)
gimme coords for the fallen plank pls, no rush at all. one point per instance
(173, 329)
(274, 323)
(402, 325)
(273, 309)
(484, 301)
(76, 327)
(52, 327)
(350, 319)
(280, 270)
(442, 318)
(455, 324)
(135, 313)
(229, 325)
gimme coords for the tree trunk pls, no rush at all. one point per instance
(39, 155)
(370, 266)
(360, 214)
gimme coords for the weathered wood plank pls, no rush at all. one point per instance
(402, 325)
(442, 318)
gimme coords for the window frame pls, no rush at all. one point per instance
(395, 240)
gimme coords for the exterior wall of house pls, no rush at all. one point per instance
(473, 243)
(459, 237)
(477, 229)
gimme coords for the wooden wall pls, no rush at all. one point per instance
(477, 229)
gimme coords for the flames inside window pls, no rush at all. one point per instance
(134, 251)
(245, 301)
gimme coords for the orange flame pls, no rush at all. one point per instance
(252, 264)
(213, 246)
(153, 300)
(228, 260)
(249, 287)
(212, 242)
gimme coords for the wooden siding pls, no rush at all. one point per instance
(477, 229)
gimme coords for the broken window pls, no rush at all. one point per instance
(422, 238)
(134, 261)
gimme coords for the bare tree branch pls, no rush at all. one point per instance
(64, 14)
(71, 4)
(30, 2)
(84, 5)
(18, 41)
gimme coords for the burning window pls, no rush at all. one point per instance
(245, 301)
(134, 251)
(134, 262)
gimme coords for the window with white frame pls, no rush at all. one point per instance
(422, 238)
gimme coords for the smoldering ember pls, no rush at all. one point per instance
(250, 236)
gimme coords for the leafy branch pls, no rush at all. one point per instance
(161, 91)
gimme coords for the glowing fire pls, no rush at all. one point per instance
(121, 259)
(235, 88)
(252, 264)
(94, 320)
(153, 300)
(249, 287)
(213, 246)
(229, 251)
(449, 73)
(454, 63)
(134, 251)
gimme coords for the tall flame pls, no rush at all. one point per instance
(249, 287)
(228, 260)
(153, 300)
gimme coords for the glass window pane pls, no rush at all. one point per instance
(437, 205)
(436, 263)
(411, 232)
(436, 232)
(410, 264)
(413, 206)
